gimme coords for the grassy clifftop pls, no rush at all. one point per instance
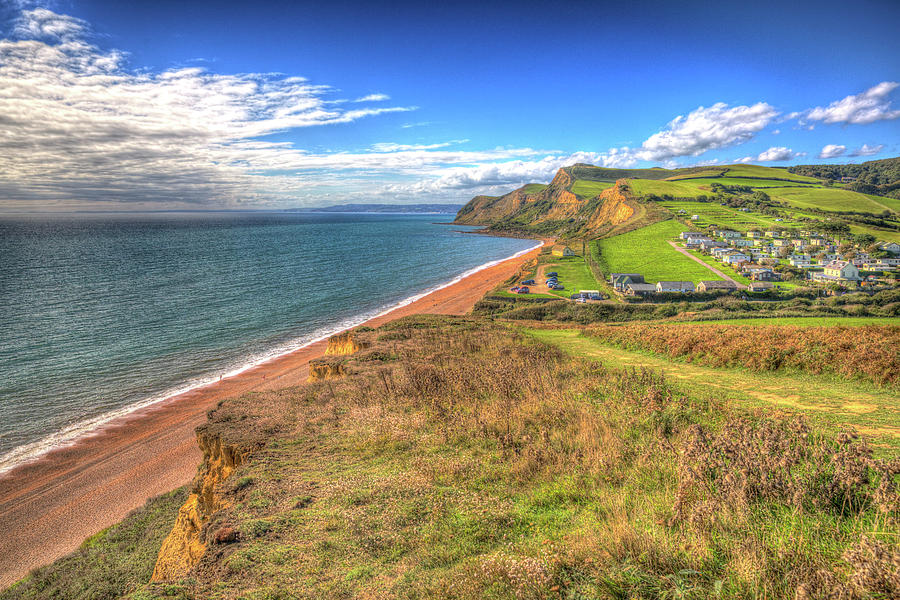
(459, 458)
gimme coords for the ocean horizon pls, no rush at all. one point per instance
(107, 313)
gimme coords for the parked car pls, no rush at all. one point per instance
(523, 290)
(527, 282)
(575, 296)
(580, 299)
(596, 297)
(557, 287)
(552, 274)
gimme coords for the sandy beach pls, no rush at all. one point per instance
(49, 506)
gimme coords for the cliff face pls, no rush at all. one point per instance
(185, 545)
(556, 209)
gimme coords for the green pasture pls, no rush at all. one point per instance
(713, 212)
(574, 275)
(647, 251)
(533, 188)
(589, 189)
(834, 199)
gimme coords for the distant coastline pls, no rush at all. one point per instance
(436, 209)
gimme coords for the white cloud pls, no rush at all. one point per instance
(867, 150)
(373, 98)
(867, 107)
(78, 125)
(832, 151)
(777, 153)
(491, 177)
(706, 129)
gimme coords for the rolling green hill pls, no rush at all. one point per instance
(588, 201)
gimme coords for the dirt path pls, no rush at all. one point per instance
(740, 286)
(48, 507)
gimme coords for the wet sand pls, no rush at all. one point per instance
(48, 507)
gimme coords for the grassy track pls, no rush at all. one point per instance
(647, 251)
(830, 401)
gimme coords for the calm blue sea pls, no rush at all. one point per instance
(100, 314)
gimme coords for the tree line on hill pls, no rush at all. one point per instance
(880, 177)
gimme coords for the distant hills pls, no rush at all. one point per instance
(386, 208)
(584, 201)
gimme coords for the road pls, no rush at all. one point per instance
(740, 286)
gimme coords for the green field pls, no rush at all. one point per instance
(834, 199)
(647, 251)
(589, 189)
(574, 274)
(758, 171)
(830, 401)
(712, 212)
(533, 188)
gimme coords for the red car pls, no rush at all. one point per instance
(523, 290)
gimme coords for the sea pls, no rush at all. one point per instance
(104, 314)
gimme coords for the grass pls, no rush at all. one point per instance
(713, 212)
(574, 274)
(834, 199)
(720, 266)
(470, 461)
(831, 401)
(589, 189)
(648, 252)
(533, 188)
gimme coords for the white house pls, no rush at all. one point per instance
(892, 247)
(841, 269)
(675, 286)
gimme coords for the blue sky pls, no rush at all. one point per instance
(274, 104)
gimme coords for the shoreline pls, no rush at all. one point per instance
(49, 505)
(75, 433)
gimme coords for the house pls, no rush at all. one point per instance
(765, 275)
(716, 286)
(718, 253)
(735, 258)
(827, 258)
(620, 280)
(727, 234)
(841, 269)
(799, 260)
(640, 289)
(741, 242)
(848, 179)
(695, 217)
(754, 235)
(695, 242)
(760, 286)
(560, 250)
(772, 234)
(892, 247)
(689, 234)
(707, 246)
(779, 243)
(675, 286)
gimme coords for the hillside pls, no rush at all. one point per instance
(880, 177)
(590, 202)
(459, 458)
(580, 200)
